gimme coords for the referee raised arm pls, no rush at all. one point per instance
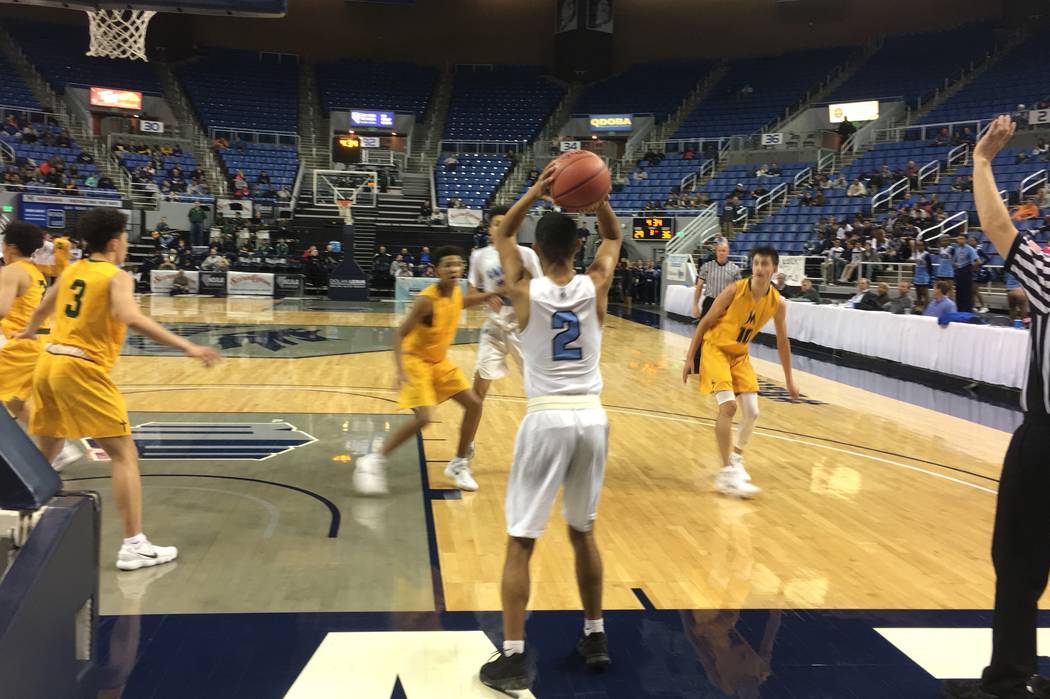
(1021, 543)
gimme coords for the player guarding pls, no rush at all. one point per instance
(564, 438)
(741, 310)
(426, 377)
(22, 287)
(73, 394)
(499, 335)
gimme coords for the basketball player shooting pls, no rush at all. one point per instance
(740, 311)
(563, 440)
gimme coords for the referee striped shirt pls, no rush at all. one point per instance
(1031, 266)
(717, 277)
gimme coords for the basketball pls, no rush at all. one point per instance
(581, 181)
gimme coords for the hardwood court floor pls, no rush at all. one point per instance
(867, 502)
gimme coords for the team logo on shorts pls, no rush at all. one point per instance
(214, 441)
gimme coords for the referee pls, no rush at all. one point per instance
(714, 276)
(1021, 542)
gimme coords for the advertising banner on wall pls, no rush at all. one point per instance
(288, 284)
(249, 283)
(161, 280)
(212, 283)
(465, 218)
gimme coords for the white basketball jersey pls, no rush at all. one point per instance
(486, 273)
(562, 343)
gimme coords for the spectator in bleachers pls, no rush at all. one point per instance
(85, 158)
(911, 171)
(943, 138)
(964, 259)
(962, 183)
(903, 302)
(424, 256)
(729, 213)
(846, 129)
(759, 191)
(406, 257)
(882, 297)
(1026, 211)
(763, 170)
(923, 271)
(807, 292)
(238, 180)
(640, 175)
(215, 262)
(857, 189)
(781, 286)
(806, 199)
(451, 162)
(180, 284)
(856, 257)
(940, 304)
(864, 297)
(197, 216)
(774, 170)
(688, 154)
(283, 194)
(263, 179)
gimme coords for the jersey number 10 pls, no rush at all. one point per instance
(569, 324)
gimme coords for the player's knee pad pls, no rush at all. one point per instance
(748, 416)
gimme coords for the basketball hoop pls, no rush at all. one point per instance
(345, 208)
(119, 33)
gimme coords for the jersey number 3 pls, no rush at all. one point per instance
(78, 286)
(569, 324)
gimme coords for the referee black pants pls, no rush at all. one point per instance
(705, 306)
(1021, 554)
(964, 290)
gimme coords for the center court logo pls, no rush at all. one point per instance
(214, 441)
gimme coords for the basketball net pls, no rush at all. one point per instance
(119, 33)
(345, 208)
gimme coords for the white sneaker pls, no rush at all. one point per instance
(370, 475)
(144, 554)
(70, 453)
(730, 481)
(737, 461)
(459, 471)
(983, 309)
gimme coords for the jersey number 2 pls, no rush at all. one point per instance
(78, 286)
(569, 324)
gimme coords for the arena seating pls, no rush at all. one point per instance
(663, 178)
(243, 90)
(185, 162)
(13, 90)
(646, 88)
(916, 65)
(280, 162)
(34, 154)
(475, 179)
(508, 103)
(57, 51)
(1019, 78)
(776, 82)
(357, 84)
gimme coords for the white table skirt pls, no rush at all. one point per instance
(993, 355)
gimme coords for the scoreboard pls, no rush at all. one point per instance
(653, 228)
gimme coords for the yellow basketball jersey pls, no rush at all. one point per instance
(83, 312)
(23, 306)
(431, 342)
(61, 254)
(744, 317)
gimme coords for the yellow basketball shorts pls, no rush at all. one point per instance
(18, 360)
(75, 398)
(430, 383)
(720, 371)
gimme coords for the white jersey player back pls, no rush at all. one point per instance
(562, 343)
(486, 273)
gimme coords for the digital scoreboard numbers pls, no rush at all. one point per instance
(653, 228)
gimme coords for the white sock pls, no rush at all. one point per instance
(593, 626)
(135, 540)
(512, 647)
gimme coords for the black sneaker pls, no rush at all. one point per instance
(505, 672)
(1039, 687)
(594, 648)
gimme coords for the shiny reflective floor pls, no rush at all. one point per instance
(288, 584)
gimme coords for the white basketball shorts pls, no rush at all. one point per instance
(555, 448)
(495, 345)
